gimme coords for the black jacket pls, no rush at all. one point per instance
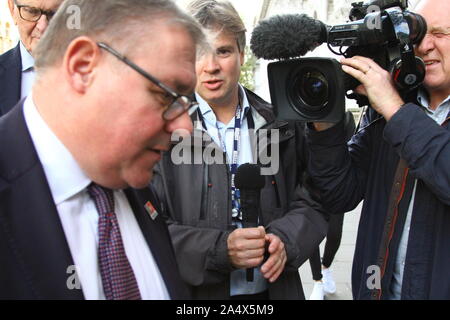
(10, 79)
(365, 169)
(198, 207)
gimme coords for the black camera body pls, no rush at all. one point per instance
(305, 93)
(314, 89)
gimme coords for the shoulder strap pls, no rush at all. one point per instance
(397, 191)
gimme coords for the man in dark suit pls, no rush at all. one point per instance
(16, 66)
(75, 221)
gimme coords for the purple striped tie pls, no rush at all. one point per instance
(119, 282)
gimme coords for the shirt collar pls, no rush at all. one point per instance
(208, 113)
(64, 175)
(423, 99)
(27, 58)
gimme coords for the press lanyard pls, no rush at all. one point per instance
(235, 196)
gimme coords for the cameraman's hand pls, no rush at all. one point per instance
(274, 265)
(246, 247)
(377, 85)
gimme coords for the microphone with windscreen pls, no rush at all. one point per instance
(287, 36)
(249, 181)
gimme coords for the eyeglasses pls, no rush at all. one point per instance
(179, 103)
(33, 14)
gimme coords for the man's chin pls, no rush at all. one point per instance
(433, 84)
(141, 182)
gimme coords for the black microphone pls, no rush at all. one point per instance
(249, 181)
(287, 36)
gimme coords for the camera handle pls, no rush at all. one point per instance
(408, 71)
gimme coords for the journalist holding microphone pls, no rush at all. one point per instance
(214, 238)
(399, 163)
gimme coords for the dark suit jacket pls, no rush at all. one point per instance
(34, 253)
(10, 79)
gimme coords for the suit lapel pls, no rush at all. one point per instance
(10, 79)
(28, 214)
(158, 239)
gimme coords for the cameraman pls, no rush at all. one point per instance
(399, 163)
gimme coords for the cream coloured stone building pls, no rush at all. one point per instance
(8, 32)
(6, 42)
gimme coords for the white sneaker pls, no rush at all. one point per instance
(317, 293)
(329, 286)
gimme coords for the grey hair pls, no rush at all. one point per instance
(219, 13)
(108, 20)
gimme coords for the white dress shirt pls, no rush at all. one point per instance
(28, 74)
(79, 216)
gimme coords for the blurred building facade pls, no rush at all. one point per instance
(8, 31)
(329, 11)
(6, 41)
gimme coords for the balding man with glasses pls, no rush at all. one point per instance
(77, 219)
(17, 65)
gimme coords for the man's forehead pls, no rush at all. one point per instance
(438, 9)
(436, 14)
(438, 24)
(42, 4)
(215, 35)
(169, 57)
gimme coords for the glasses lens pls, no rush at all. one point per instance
(50, 16)
(181, 105)
(175, 109)
(30, 13)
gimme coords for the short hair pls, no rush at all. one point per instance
(219, 13)
(107, 20)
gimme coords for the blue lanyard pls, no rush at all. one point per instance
(235, 196)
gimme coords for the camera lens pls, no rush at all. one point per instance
(310, 89)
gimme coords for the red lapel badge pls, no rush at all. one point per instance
(151, 210)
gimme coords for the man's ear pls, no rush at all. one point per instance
(11, 9)
(242, 56)
(80, 63)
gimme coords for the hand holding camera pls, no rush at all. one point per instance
(377, 85)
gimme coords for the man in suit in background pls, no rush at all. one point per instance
(17, 65)
(74, 153)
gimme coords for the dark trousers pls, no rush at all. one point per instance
(332, 244)
(259, 296)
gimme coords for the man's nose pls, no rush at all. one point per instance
(181, 124)
(210, 63)
(42, 23)
(426, 45)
